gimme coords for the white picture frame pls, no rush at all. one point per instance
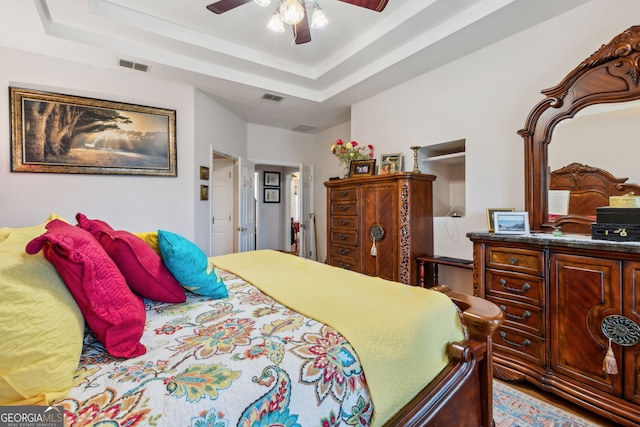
(511, 222)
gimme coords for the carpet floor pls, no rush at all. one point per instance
(514, 408)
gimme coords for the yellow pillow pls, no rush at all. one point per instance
(41, 327)
(151, 238)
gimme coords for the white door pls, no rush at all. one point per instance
(223, 209)
(246, 206)
(307, 226)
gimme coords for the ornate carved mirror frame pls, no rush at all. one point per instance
(611, 74)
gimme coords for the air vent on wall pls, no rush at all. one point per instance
(304, 129)
(272, 97)
(134, 65)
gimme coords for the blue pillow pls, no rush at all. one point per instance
(190, 265)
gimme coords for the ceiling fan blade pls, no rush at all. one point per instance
(377, 5)
(301, 30)
(226, 5)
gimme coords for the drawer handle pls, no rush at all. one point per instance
(343, 221)
(344, 207)
(525, 343)
(524, 316)
(344, 193)
(344, 251)
(343, 236)
(525, 287)
(345, 265)
(513, 260)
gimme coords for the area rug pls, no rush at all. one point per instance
(513, 408)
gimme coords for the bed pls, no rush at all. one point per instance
(288, 342)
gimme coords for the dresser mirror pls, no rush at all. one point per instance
(591, 155)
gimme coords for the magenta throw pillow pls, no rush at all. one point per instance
(114, 313)
(141, 266)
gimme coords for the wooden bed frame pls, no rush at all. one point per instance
(462, 394)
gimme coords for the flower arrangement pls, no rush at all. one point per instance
(347, 152)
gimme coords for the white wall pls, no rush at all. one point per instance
(126, 202)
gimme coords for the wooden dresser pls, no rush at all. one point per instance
(559, 295)
(395, 210)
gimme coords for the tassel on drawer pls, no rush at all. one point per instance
(609, 364)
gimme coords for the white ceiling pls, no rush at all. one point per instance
(235, 59)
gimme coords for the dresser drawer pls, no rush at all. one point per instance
(344, 208)
(349, 253)
(520, 344)
(344, 222)
(347, 264)
(514, 259)
(523, 317)
(344, 237)
(343, 194)
(515, 286)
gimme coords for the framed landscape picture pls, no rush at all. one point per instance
(511, 222)
(58, 133)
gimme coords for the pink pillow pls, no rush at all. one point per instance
(112, 311)
(140, 265)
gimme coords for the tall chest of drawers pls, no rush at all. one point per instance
(378, 225)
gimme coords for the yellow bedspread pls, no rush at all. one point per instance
(399, 332)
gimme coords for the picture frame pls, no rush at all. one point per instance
(271, 179)
(204, 192)
(204, 173)
(271, 195)
(387, 162)
(491, 211)
(511, 222)
(93, 136)
(362, 167)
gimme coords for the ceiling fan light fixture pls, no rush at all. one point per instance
(318, 18)
(291, 11)
(263, 3)
(276, 24)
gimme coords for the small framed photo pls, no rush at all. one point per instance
(511, 222)
(491, 211)
(204, 173)
(272, 195)
(271, 179)
(362, 167)
(390, 163)
(204, 192)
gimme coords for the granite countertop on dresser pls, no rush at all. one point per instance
(576, 241)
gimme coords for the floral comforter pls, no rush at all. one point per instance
(242, 361)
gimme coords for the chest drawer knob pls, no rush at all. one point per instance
(525, 343)
(344, 251)
(343, 236)
(344, 193)
(344, 207)
(513, 260)
(525, 315)
(343, 221)
(525, 286)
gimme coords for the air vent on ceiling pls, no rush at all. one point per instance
(272, 97)
(134, 65)
(304, 129)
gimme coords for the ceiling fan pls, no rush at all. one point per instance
(295, 13)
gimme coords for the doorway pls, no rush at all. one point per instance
(223, 205)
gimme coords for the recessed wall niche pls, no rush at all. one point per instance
(447, 162)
